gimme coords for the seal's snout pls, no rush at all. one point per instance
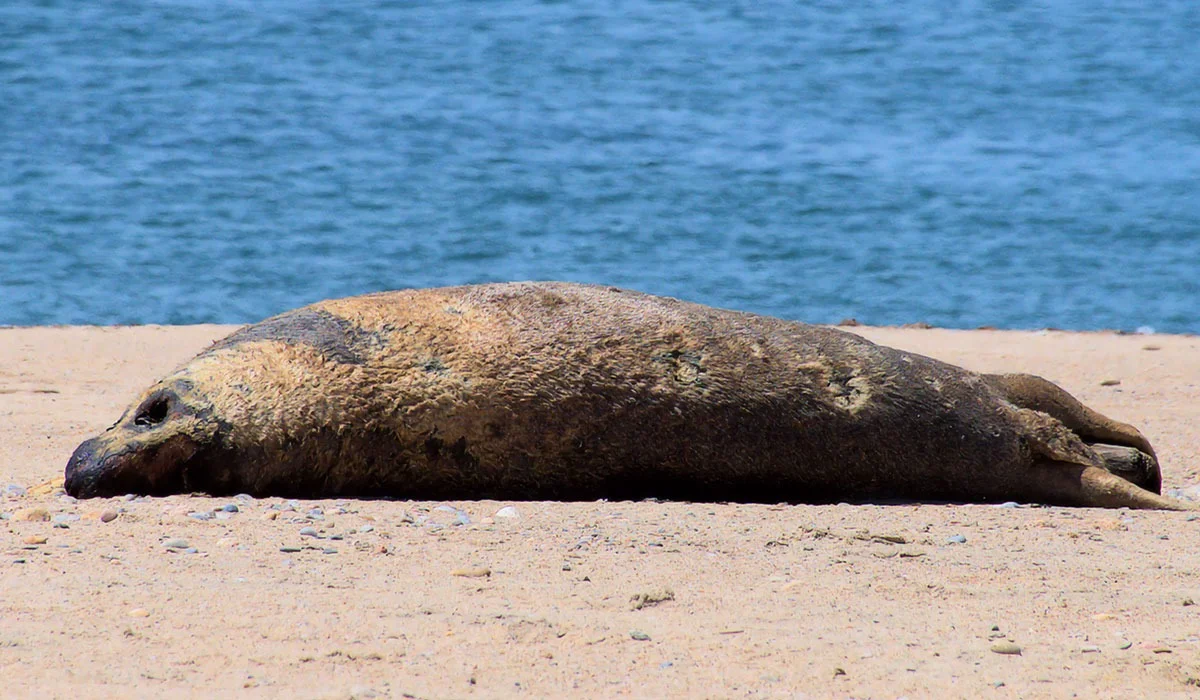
(83, 470)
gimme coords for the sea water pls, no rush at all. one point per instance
(1013, 164)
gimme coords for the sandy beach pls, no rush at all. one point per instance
(187, 596)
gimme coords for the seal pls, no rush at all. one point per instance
(566, 391)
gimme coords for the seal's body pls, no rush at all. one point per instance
(566, 391)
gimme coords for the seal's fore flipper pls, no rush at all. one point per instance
(1131, 464)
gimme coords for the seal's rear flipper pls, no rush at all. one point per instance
(1067, 471)
(1033, 392)
(1077, 485)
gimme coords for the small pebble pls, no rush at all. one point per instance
(472, 572)
(176, 543)
(230, 508)
(956, 539)
(566, 566)
(15, 491)
(329, 550)
(1124, 644)
(462, 519)
(309, 532)
(139, 612)
(201, 516)
(191, 550)
(290, 550)
(1111, 382)
(66, 517)
(639, 636)
(1187, 602)
(1006, 648)
(62, 526)
(35, 539)
(108, 516)
(32, 515)
(270, 515)
(508, 512)
(1008, 504)
(1090, 650)
(365, 529)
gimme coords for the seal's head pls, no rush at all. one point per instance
(162, 444)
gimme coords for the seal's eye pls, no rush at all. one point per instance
(153, 411)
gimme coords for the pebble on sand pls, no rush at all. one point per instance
(35, 539)
(650, 598)
(32, 515)
(1006, 648)
(639, 636)
(46, 487)
(108, 516)
(472, 572)
(508, 512)
(176, 543)
(139, 612)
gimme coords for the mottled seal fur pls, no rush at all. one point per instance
(567, 391)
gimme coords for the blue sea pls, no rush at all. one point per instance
(1006, 163)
